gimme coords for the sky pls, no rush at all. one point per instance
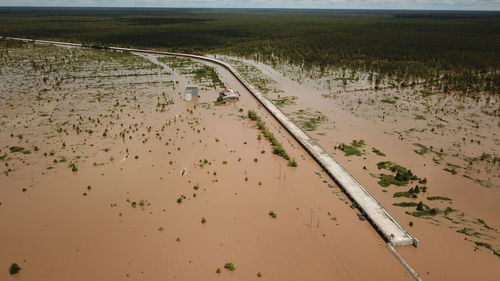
(489, 5)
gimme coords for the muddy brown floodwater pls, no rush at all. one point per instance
(107, 174)
(451, 140)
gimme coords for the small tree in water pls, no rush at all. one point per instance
(14, 269)
(420, 206)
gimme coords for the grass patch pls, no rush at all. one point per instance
(284, 101)
(470, 232)
(312, 123)
(422, 149)
(377, 151)
(385, 180)
(423, 210)
(482, 222)
(389, 101)
(431, 198)
(208, 72)
(406, 204)
(14, 149)
(350, 150)
(403, 175)
(410, 193)
(451, 170)
(309, 121)
(418, 214)
(487, 246)
(358, 143)
(353, 149)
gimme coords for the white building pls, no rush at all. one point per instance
(228, 94)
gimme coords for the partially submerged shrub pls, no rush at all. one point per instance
(73, 167)
(350, 150)
(272, 214)
(253, 115)
(14, 269)
(14, 149)
(230, 266)
(438, 198)
(377, 151)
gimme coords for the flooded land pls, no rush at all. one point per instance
(108, 174)
(431, 158)
(109, 170)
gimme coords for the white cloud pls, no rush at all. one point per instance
(320, 4)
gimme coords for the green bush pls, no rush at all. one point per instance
(230, 266)
(73, 167)
(272, 214)
(220, 101)
(14, 269)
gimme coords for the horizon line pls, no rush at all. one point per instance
(247, 8)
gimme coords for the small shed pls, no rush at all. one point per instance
(193, 90)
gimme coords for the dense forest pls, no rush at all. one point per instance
(450, 51)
